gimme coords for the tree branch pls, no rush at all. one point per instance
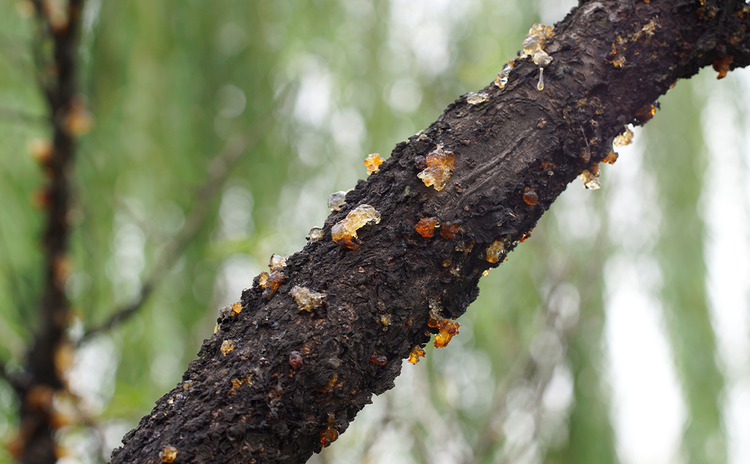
(245, 400)
(68, 119)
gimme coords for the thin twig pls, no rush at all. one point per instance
(218, 170)
(22, 117)
(3, 373)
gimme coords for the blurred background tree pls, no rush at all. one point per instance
(619, 332)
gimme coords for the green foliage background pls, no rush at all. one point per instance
(324, 83)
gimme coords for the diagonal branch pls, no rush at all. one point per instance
(289, 370)
(218, 170)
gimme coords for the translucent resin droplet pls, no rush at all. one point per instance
(415, 354)
(307, 300)
(450, 229)
(532, 44)
(541, 58)
(530, 197)
(336, 200)
(168, 454)
(378, 359)
(540, 84)
(590, 180)
(277, 262)
(315, 234)
(502, 78)
(611, 157)
(236, 308)
(626, 138)
(535, 40)
(270, 283)
(476, 98)
(426, 227)
(226, 347)
(328, 435)
(447, 329)
(440, 165)
(344, 231)
(373, 162)
(495, 251)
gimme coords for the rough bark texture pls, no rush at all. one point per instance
(612, 60)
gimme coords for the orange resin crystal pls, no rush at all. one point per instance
(447, 329)
(440, 165)
(415, 354)
(373, 162)
(450, 229)
(495, 251)
(426, 227)
(344, 231)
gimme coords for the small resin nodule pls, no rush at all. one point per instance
(440, 165)
(447, 329)
(426, 226)
(230, 310)
(307, 300)
(534, 44)
(336, 200)
(270, 283)
(502, 77)
(315, 234)
(530, 197)
(226, 347)
(495, 251)
(540, 83)
(345, 231)
(373, 162)
(611, 157)
(450, 229)
(277, 262)
(378, 359)
(477, 98)
(626, 138)
(415, 354)
(328, 435)
(590, 180)
(168, 454)
(237, 383)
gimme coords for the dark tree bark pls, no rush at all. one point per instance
(247, 398)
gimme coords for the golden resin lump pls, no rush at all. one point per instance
(440, 165)
(626, 138)
(306, 299)
(415, 354)
(373, 162)
(426, 226)
(345, 231)
(270, 283)
(447, 329)
(168, 454)
(495, 251)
